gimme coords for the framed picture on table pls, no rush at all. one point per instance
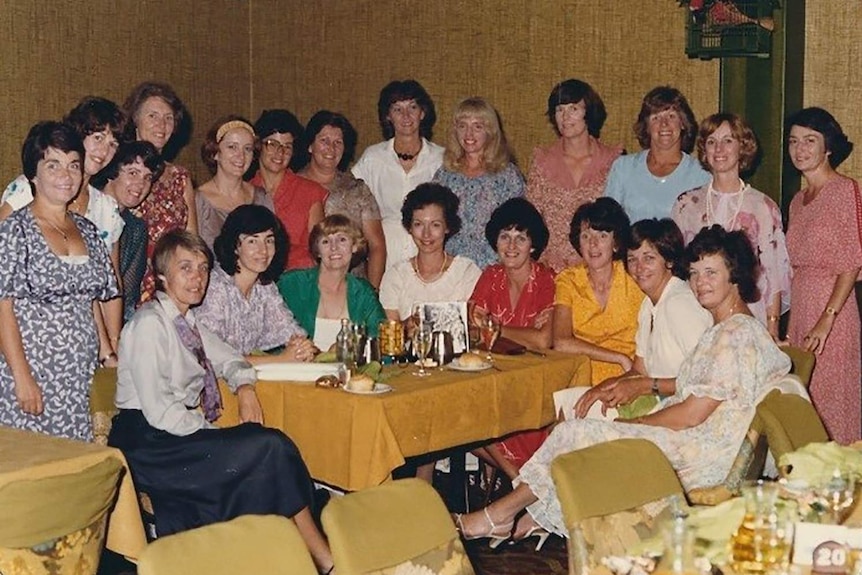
(448, 316)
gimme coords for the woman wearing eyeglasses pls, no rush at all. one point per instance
(298, 202)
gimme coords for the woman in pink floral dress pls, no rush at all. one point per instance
(823, 239)
(573, 170)
(726, 146)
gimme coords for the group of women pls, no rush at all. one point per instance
(301, 242)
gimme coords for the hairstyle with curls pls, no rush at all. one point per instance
(742, 133)
(836, 141)
(247, 220)
(44, 135)
(428, 194)
(496, 154)
(518, 214)
(182, 121)
(210, 148)
(604, 215)
(277, 121)
(129, 153)
(94, 114)
(572, 91)
(735, 249)
(334, 224)
(400, 91)
(658, 100)
(318, 121)
(167, 246)
(665, 236)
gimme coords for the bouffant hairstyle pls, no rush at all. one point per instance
(334, 224)
(248, 220)
(400, 91)
(573, 91)
(215, 135)
(742, 133)
(167, 247)
(277, 121)
(658, 100)
(129, 153)
(432, 194)
(735, 248)
(518, 214)
(182, 121)
(836, 141)
(94, 114)
(315, 125)
(604, 215)
(665, 236)
(496, 154)
(44, 135)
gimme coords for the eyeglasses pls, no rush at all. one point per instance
(136, 174)
(274, 146)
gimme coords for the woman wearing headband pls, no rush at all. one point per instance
(227, 151)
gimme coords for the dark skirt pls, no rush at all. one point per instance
(213, 474)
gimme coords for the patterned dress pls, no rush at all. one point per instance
(735, 362)
(479, 196)
(211, 219)
(52, 300)
(823, 241)
(165, 209)
(492, 295)
(555, 194)
(612, 327)
(758, 216)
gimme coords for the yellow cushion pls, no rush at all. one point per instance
(802, 361)
(401, 522)
(790, 422)
(259, 544)
(75, 553)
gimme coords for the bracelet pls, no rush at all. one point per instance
(654, 387)
(830, 310)
(102, 360)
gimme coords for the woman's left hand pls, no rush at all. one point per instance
(816, 339)
(300, 349)
(249, 405)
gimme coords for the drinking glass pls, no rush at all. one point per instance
(837, 495)
(489, 331)
(421, 347)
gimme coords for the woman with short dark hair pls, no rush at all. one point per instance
(405, 159)
(242, 305)
(574, 169)
(647, 183)
(727, 147)
(823, 239)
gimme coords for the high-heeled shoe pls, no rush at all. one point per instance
(535, 530)
(497, 533)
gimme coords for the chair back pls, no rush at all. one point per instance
(259, 544)
(790, 422)
(398, 523)
(802, 363)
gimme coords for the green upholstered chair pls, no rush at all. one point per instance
(401, 525)
(259, 544)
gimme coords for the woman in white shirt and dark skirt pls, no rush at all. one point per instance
(194, 473)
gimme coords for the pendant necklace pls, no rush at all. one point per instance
(57, 228)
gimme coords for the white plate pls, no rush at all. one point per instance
(295, 371)
(456, 365)
(378, 388)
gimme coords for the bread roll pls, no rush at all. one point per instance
(360, 382)
(471, 360)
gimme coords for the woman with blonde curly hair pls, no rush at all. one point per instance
(478, 168)
(726, 146)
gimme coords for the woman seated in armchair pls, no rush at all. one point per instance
(700, 427)
(195, 473)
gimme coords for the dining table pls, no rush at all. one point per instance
(354, 441)
(31, 463)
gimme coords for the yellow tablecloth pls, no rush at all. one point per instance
(355, 441)
(31, 456)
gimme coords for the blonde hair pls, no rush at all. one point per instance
(334, 224)
(496, 154)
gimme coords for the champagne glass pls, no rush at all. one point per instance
(489, 331)
(421, 347)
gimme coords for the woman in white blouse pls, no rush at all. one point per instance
(404, 160)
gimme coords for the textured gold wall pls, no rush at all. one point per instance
(338, 55)
(53, 53)
(833, 68)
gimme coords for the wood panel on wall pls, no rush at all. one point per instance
(53, 53)
(833, 68)
(338, 55)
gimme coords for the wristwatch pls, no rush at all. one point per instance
(654, 387)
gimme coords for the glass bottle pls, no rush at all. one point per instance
(678, 556)
(760, 542)
(345, 345)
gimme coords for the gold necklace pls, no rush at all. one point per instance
(58, 229)
(415, 262)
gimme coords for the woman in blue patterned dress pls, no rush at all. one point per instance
(478, 167)
(53, 268)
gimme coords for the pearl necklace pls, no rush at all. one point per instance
(710, 214)
(415, 262)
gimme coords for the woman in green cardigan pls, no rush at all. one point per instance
(319, 297)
